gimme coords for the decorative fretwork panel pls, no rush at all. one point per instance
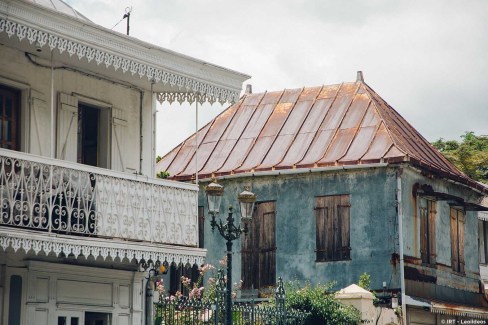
(59, 198)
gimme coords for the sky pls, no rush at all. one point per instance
(427, 59)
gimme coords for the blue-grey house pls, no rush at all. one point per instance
(344, 186)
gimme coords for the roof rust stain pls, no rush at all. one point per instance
(332, 125)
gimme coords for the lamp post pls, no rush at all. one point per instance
(229, 230)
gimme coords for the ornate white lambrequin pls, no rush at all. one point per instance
(58, 198)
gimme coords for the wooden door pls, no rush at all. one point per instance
(258, 264)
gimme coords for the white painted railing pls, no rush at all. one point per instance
(62, 197)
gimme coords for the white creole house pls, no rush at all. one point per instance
(80, 208)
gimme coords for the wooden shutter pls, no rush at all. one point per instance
(321, 217)
(248, 254)
(431, 230)
(461, 225)
(119, 133)
(343, 208)
(454, 240)
(424, 229)
(267, 244)
(39, 126)
(67, 140)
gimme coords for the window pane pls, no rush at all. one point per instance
(61, 320)
(74, 320)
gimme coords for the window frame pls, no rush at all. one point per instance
(339, 251)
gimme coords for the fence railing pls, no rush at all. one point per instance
(179, 311)
(51, 195)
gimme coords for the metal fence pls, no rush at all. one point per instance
(195, 311)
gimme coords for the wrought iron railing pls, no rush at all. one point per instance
(179, 311)
(57, 196)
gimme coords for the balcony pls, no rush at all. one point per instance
(59, 199)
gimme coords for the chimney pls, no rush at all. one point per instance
(248, 89)
(359, 77)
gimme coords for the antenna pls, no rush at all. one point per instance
(128, 10)
(127, 15)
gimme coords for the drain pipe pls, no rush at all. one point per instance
(400, 239)
(141, 94)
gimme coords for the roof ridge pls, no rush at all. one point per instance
(387, 127)
(430, 154)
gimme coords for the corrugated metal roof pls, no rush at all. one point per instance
(343, 124)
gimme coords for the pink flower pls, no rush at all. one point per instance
(205, 268)
(223, 262)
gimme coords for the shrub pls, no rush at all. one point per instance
(320, 302)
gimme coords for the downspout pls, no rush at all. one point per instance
(400, 239)
(53, 111)
(153, 134)
(141, 94)
(196, 142)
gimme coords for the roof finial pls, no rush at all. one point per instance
(359, 77)
(248, 89)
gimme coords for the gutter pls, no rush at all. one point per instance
(296, 171)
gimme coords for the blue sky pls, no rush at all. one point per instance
(427, 59)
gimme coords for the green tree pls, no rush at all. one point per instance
(470, 155)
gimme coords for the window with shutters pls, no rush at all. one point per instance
(427, 212)
(90, 132)
(332, 215)
(9, 118)
(457, 239)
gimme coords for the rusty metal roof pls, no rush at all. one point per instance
(334, 125)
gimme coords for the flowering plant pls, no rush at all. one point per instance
(196, 289)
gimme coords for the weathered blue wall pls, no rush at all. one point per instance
(373, 220)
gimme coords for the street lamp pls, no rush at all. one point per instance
(229, 231)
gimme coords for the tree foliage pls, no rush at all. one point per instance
(470, 155)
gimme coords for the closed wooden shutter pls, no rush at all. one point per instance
(461, 226)
(267, 245)
(432, 240)
(454, 240)
(258, 254)
(119, 133)
(424, 230)
(343, 245)
(67, 140)
(332, 215)
(321, 215)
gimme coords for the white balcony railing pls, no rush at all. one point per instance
(56, 196)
